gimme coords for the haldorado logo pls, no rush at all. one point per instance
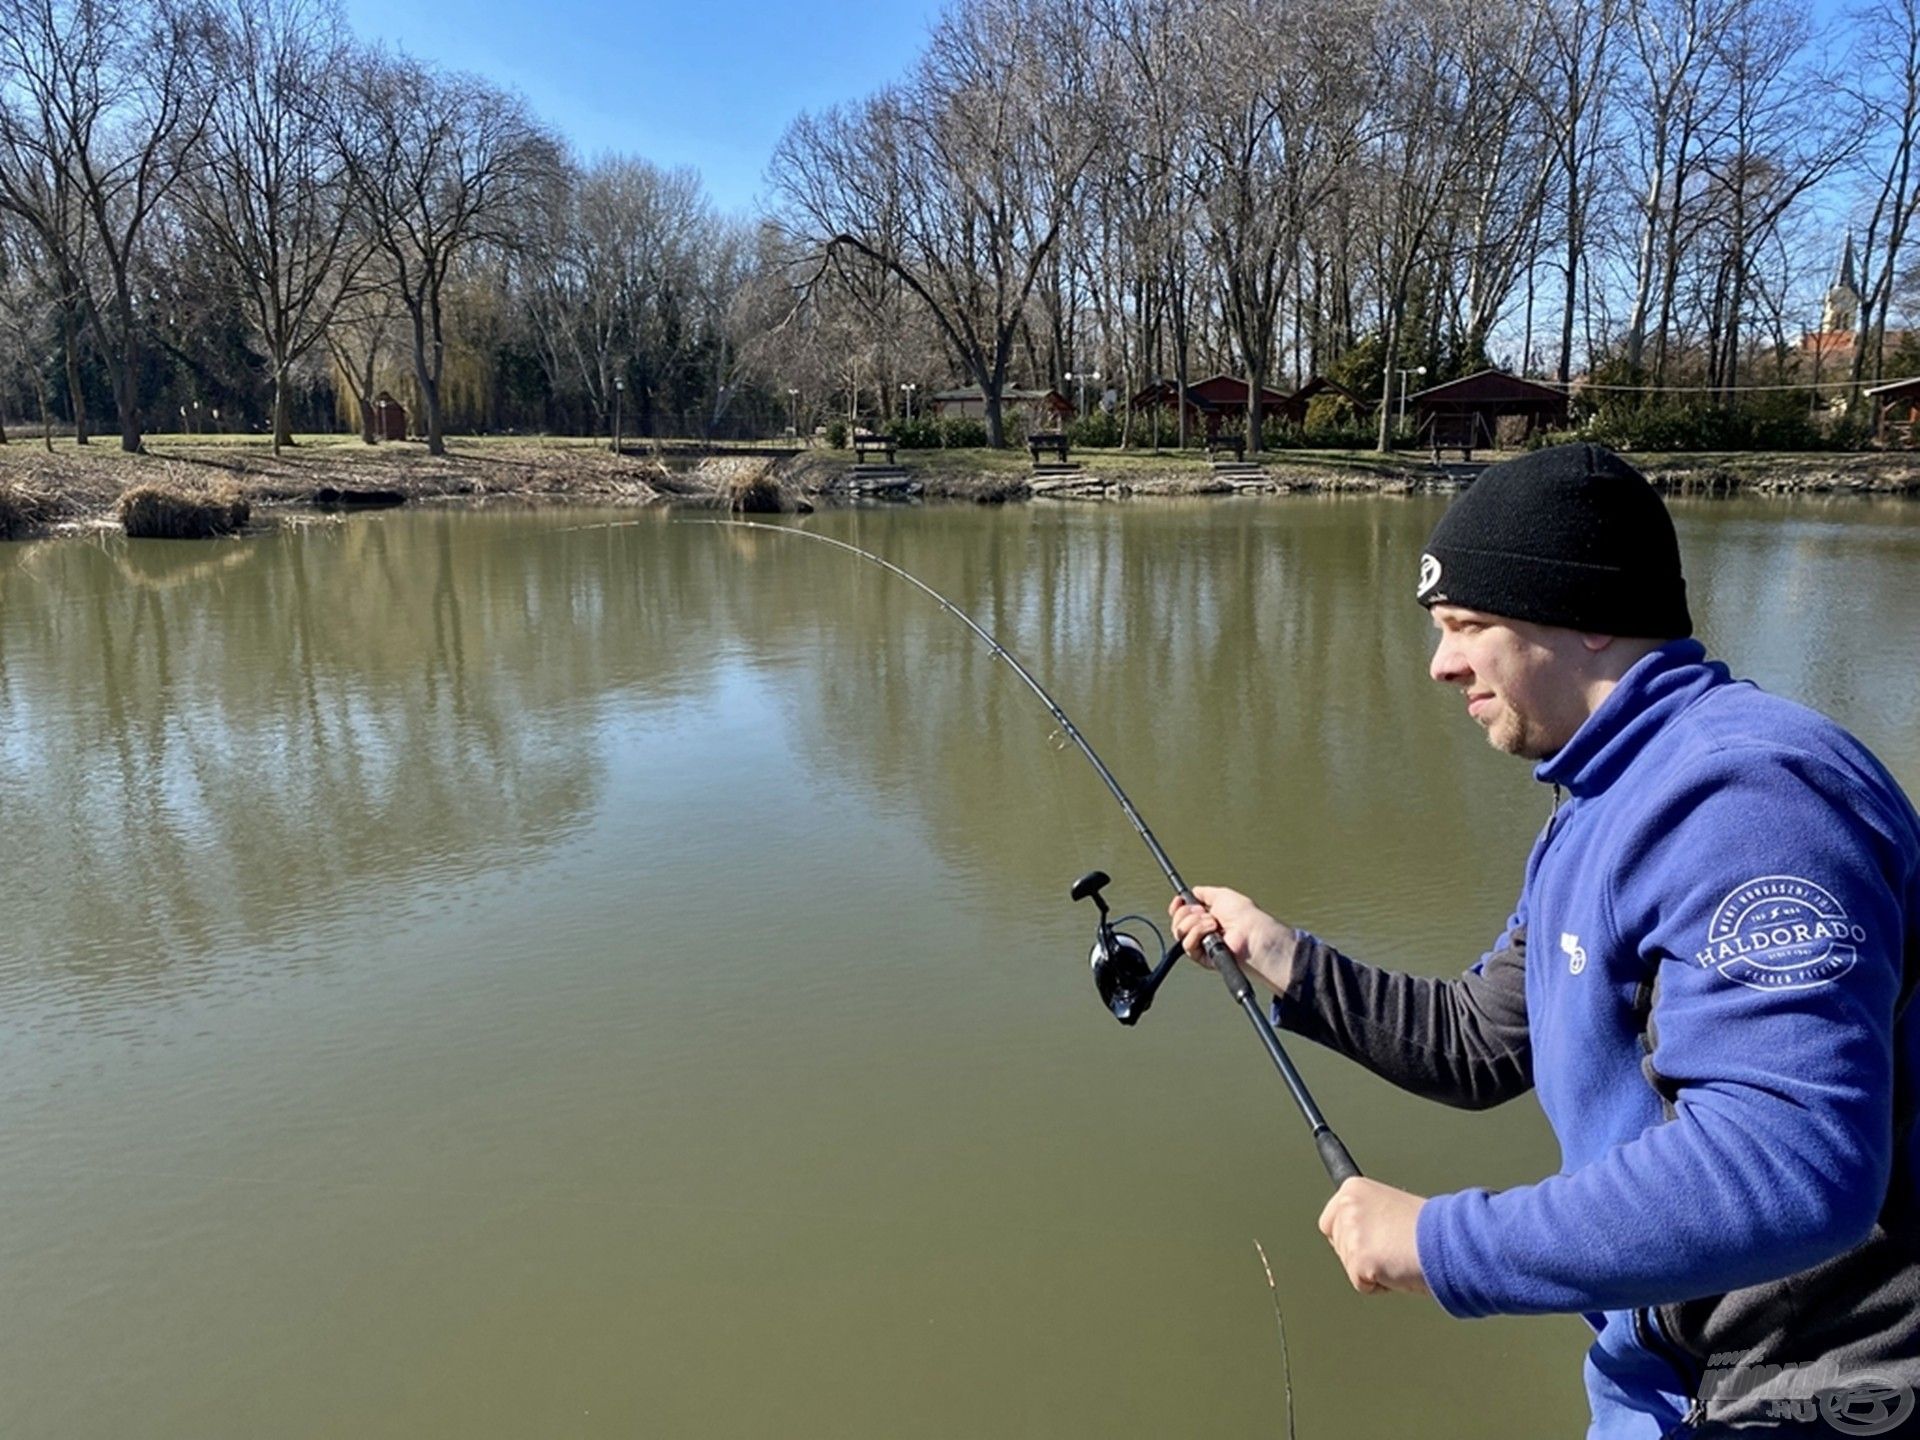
(1429, 576)
(1779, 932)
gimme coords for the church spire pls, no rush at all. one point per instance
(1842, 309)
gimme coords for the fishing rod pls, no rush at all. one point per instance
(1127, 984)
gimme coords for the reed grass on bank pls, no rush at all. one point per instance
(172, 511)
(24, 509)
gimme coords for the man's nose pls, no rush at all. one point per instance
(1448, 667)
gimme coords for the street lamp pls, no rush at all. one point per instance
(619, 390)
(793, 410)
(909, 386)
(1413, 370)
(1083, 376)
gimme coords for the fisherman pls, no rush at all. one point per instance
(1707, 979)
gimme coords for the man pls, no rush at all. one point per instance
(1706, 978)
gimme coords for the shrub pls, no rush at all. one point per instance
(962, 432)
(165, 511)
(837, 434)
(917, 434)
(1100, 430)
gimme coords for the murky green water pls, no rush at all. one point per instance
(568, 973)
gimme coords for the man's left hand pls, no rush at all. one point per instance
(1371, 1229)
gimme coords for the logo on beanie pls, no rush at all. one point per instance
(1429, 576)
(1781, 932)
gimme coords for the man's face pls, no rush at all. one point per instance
(1524, 683)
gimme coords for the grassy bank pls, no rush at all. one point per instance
(85, 485)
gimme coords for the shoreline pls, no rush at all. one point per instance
(78, 489)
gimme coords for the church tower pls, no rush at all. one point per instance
(1842, 310)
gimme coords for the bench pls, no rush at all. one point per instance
(864, 443)
(1056, 442)
(1235, 444)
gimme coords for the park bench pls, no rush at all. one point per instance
(1233, 444)
(1056, 442)
(866, 442)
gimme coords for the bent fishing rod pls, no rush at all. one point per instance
(1120, 970)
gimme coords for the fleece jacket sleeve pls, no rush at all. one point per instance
(1764, 896)
(1461, 1041)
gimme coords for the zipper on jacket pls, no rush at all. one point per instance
(1652, 1335)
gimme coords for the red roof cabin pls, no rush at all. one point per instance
(1465, 414)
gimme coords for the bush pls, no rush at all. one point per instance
(165, 511)
(837, 434)
(1100, 430)
(918, 434)
(962, 432)
(1779, 421)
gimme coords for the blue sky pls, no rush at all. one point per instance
(706, 85)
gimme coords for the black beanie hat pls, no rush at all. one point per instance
(1571, 536)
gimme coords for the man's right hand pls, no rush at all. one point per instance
(1259, 942)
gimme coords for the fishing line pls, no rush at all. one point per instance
(1121, 974)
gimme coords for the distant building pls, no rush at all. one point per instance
(1472, 413)
(390, 417)
(1039, 407)
(1832, 343)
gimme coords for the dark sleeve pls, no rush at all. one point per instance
(1463, 1042)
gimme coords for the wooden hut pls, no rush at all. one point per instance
(1294, 407)
(1465, 414)
(1213, 401)
(1896, 406)
(1043, 409)
(389, 417)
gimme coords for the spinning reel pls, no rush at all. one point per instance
(1121, 972)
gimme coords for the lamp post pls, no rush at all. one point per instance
(793, 410)
(1083, 376)
(1411, 370)
(619, 391)
(909, 386)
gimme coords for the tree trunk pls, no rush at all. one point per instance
(282, 419)
(76, 399)
(429, 389)
(128, 404)
(1390, 354)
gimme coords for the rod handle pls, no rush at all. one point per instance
(1333, 1155)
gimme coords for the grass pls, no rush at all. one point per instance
(174, 511)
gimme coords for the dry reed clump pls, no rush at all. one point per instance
(170, 511)
(754, 494)
(24, 510)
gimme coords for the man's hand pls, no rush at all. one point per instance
(1371, 1229)
(1258, 941)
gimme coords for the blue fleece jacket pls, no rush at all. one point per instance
(1719, 916)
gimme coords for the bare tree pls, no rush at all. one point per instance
(1276, 130)
(443, 163)
(271, 192)
(99, 101)
(960, 181)
(1886, 65)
